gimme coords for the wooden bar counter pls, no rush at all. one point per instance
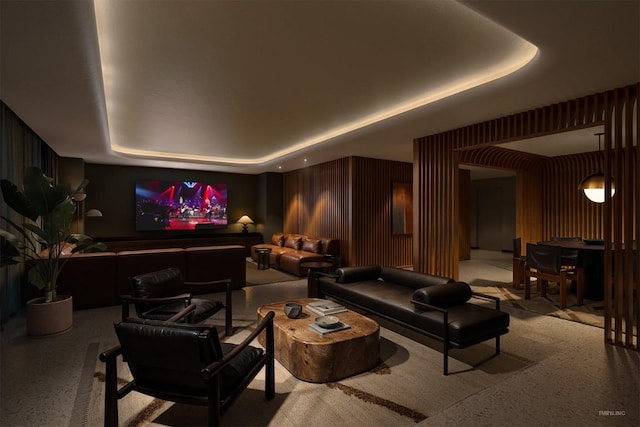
(318, 358)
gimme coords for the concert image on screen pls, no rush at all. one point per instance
(180, 205)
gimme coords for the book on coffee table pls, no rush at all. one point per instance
(323, 331)
(325, 307)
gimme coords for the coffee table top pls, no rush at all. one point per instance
(299, 329)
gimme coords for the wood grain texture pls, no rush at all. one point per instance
(350, 200)
(312, 357)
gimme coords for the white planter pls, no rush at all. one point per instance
(49, 318)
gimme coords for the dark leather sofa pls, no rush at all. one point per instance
(421, 302)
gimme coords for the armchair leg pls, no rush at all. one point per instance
(228, 314)
(270, 373)
(213, 409)
(446, 359)
(110, 394)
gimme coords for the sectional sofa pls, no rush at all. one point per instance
(290, 250)
(98, 279)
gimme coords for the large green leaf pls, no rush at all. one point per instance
(43, 195)
(17, 200)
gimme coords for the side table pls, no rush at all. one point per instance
(263, 258)
(313, 268)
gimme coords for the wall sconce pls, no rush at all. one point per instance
(593, 185)
(245, 221)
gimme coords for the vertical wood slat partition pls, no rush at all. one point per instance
(435, 193)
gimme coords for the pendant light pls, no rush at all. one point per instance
(593, 185)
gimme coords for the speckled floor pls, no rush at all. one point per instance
(578, 380)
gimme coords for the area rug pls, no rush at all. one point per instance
(404, 389)
(263, 277)
(491, 272)
(590, 313)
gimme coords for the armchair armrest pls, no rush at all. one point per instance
(266, 324)
(487, 297)
(129, 299)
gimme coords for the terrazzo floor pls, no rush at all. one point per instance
(583, 383)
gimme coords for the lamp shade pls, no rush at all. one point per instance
(244, 219)
(593, 187)
(93, 213)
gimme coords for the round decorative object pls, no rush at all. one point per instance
(328, 322)
(292, 310)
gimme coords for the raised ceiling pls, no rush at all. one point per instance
(254, 86)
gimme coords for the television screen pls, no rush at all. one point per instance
(180, 205)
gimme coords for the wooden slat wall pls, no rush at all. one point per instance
(317, 202)
(464, 214)
(349, 199)
(372, 241)
(622, 218)
(561, 212)
(435, 204)
(565, 210)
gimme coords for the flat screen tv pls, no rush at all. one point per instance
(180, 205)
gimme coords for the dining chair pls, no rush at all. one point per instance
(569, 256)
(518, 263)
(544, 262)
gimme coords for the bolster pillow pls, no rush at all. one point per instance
(410, 278)
(443, 296)
(358, 274)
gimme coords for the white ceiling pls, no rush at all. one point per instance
(251, 86)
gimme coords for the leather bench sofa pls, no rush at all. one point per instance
(98, 279)
(290, 250)
(434, 306)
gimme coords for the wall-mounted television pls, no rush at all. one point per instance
(180, 205)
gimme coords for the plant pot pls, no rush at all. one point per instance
(49, 318)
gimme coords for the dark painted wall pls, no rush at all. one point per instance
(493, 213)
(112, 191)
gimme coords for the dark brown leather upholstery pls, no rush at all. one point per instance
(290, 250)
(132, 263)
(161, 294)
(186, 364)
(422, 302)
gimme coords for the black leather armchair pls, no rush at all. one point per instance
(159, 295)
(186, 364)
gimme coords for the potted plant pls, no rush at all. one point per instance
(44, 241)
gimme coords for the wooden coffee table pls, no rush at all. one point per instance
(317, 358)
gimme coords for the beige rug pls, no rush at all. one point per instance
(590, 313)
(263, 277)
(404, 389)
